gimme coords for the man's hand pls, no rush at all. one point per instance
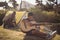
(41, 27)
(33, 27)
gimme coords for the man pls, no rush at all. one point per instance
(29, 26)
(9, 21)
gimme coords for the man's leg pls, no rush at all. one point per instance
(39, 34)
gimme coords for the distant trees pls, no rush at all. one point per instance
(21, 5)
(39, 2)
(4, 4)
(44, 16)
(14, 3)
(50, 5)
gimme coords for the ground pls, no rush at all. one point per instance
(6, 34)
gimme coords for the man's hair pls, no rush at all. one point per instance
(14, 13)
(30, 14)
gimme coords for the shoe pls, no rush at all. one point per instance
(52, 35)
(53, 32)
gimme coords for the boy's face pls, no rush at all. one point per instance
(30, 17)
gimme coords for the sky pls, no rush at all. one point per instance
(30, 1)
(19, 1)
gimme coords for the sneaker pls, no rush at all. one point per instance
(54, 32)
(52, 35)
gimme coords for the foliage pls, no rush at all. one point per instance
(14, 3)
(50, 5)
(51, 0)
(45, 16)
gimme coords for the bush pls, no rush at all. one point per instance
(43, 16)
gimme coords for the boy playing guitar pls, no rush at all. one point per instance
(29, 26)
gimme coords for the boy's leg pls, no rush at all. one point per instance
(42, 35)
(39, 34)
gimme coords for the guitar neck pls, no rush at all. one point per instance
(46, 24)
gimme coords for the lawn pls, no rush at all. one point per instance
(6, 34)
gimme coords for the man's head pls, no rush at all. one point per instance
(14, 13)
(30, 15)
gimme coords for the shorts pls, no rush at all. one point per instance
(29, 32)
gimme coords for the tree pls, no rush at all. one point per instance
(49, 5)
(39, 2)
(51, 0)
(21, 5)
(14, 3)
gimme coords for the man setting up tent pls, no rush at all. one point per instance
(9, 21)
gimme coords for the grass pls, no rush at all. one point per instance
(6, 34)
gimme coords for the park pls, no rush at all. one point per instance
(13, 13)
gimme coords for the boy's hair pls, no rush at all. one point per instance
(30, 14)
